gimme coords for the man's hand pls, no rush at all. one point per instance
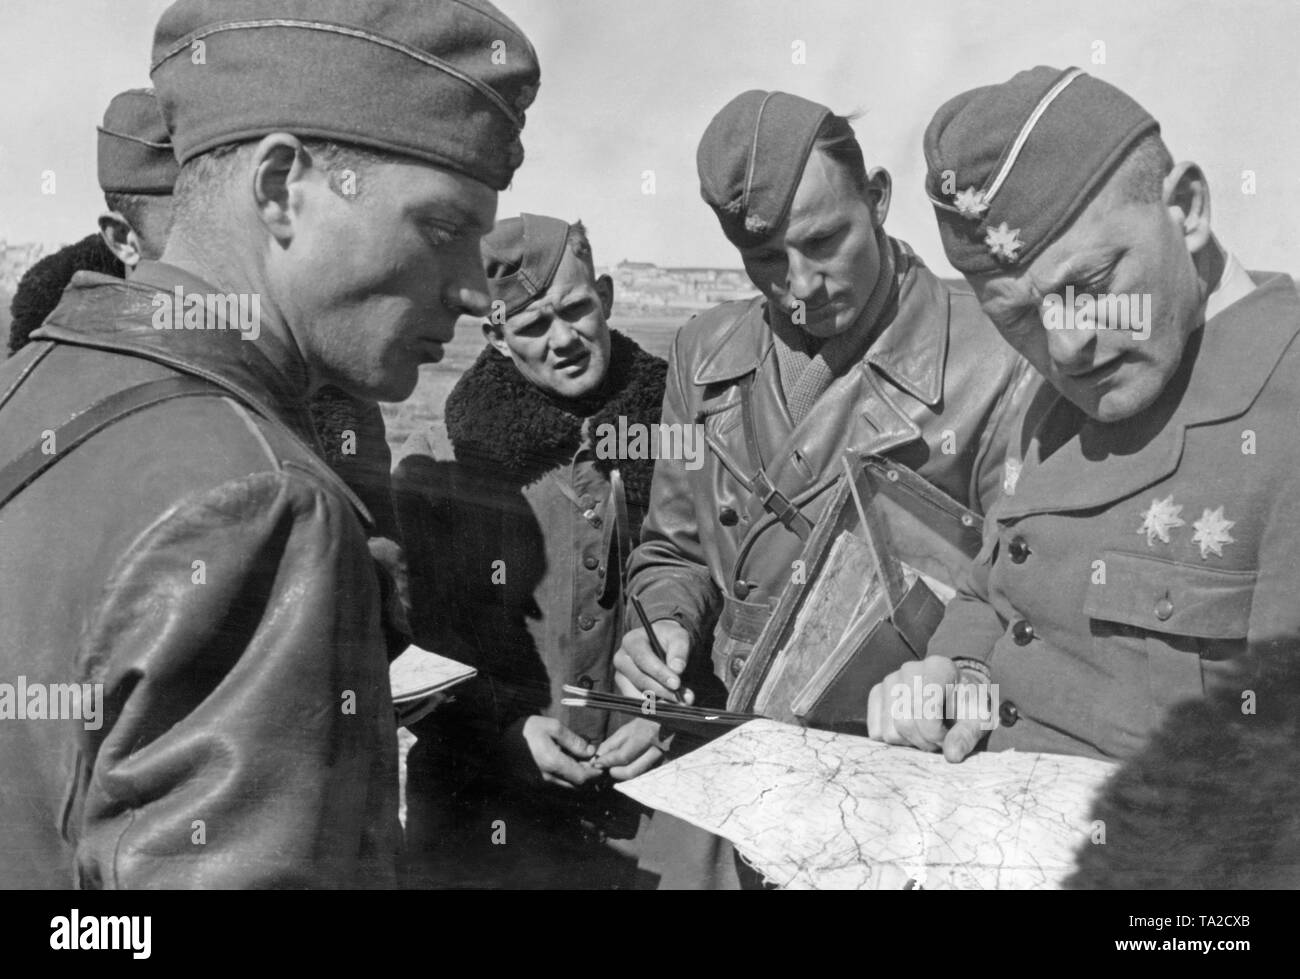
(558, 752)
(910, 705)
(639, 670)
(631, 750)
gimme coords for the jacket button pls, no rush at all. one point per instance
(1018, 550)
(1008, 714)
(585, 622)
(728, 517)
(590, 563)
(1023, 633)
(742, 589)
(1164, 609)
(736, 665)
(585, 682)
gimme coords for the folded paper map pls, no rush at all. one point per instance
(418, 678)
(817, 809)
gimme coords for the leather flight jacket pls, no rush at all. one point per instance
(937, 391)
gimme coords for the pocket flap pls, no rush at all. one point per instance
(1165, 596)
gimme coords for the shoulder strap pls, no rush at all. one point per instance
(22, 471)
(772, 499)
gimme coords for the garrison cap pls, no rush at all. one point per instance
(1009, 166)
(521, 256)
(135, 153)
(751, 159)
(443, 81)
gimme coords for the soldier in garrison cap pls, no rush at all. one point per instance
(211, 577)
(1148, 555)
(853, 346)
(137, 173)
(540, 484)
(137, 170)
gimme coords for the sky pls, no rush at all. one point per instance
(628, 86)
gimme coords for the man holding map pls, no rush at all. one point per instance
(1147, 553)
(854, 346)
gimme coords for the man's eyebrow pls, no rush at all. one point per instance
(579, 295)
(454, 212)
(526, 317)
(1075, 268)
(820, 229)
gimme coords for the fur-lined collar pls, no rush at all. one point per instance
(495, 416)
(41, 287)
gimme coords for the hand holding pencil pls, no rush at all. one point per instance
(652, 658)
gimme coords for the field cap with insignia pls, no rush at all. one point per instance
(751, 159)
(520, 258)
(443, 81)
(1010, 166)
(135, 152)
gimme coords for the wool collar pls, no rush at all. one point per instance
(496, 417)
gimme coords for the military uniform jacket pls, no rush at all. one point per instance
(935, 391)
(1146, 562)
(513, 547)
(200, 562)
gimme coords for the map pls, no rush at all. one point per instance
(815, 809)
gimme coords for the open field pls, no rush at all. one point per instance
(424, 407)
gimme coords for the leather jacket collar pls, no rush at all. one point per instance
(911, 351)
(108, 313)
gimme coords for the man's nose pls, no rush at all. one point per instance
(802, 278)
(562, 333)
(1071, 350)
(466, 285)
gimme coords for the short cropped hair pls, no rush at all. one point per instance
(1141, 174)
(130, 206)
(835, 138)
(580, 245)
(196, 186)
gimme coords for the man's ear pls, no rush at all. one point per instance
(494, 334)
(605, 290)
(281, 167)
(120, 238)
(1187, 196)
(880, 189)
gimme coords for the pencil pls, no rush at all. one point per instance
(650, 634)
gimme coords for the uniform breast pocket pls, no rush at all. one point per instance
(1180, 614)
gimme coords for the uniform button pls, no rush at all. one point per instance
(586, 682)
(728, 517)
(736, 666)
(585, 622)
(1008, 714)
(590, 563)
(1018, 550)
(1023, 633)
(1164, 609)
(742, 589)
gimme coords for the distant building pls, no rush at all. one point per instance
(15, 260)
(645, 287)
